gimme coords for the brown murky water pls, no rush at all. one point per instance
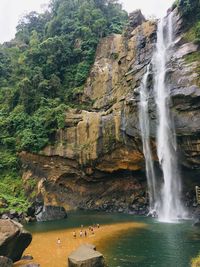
(48, 253)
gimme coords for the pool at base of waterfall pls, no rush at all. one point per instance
(153, 244)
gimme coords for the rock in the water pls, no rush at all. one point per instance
(197, 223)
(5, 262)
(86, 256)
(27, 257)
(49, 213)
(13, 239)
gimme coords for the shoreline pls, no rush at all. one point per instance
(47, 252)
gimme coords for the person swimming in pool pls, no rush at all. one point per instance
(74, 234)
(58, 241)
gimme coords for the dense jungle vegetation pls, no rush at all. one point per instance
(41, 71)
(190, 11)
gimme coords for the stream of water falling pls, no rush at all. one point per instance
(170, 206)
(167, 201)
(145, 133)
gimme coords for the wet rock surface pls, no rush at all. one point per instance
(5, 262)
(27, 257)
(86, 256)
(13, 239)
(13, 215)
(122, 191)
(49, 213)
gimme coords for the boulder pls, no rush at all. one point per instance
(13, 215)
(5, 262)
(86, 256)
(197, 223)
(49, 213)
(13, 239)
(27, 257)
(136, 18)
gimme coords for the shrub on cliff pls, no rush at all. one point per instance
(190, 9)
(12, 194)
(196, 262)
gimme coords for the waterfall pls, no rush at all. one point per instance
(145, 133)
(170, 207)
(167, 200)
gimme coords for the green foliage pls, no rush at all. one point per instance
(22, 131)
(197, 32)
(195, 262)
(190, 34)
(81, 73)
(12, 194)
(194, 57)
(193, 33)
(190, 10)
(5, 65)
(8, 160)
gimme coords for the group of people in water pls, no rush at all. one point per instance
(83, 232)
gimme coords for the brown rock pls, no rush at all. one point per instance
(13, 239)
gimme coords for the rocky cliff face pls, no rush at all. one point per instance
(97, 160)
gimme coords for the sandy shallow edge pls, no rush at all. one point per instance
(48, 253)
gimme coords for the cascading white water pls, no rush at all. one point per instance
(170, 207)
(145, 133)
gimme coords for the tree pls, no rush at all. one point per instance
(189, 7)
(27, 95)
(5, 65)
